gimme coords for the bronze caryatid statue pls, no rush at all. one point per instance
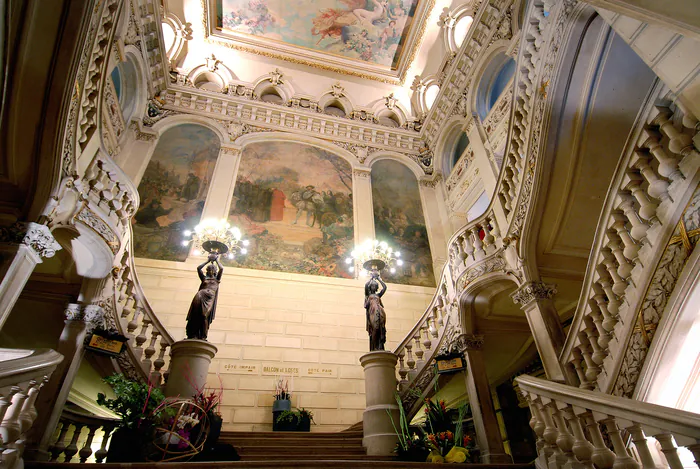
(203, 307)
(376, 317)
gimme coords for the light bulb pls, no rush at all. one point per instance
(398, 254)
(244, 251)
(230, 255)
(185, 243)
(351, 269)
(399, 262)
(236, 233)
(197, 252)
(348, 260)
(392, 270)
(246, 242)
(187, 233)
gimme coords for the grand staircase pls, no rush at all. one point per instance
(283, 450)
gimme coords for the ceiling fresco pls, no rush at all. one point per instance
(369, 38)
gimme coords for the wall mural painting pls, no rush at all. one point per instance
(294, 203)
(173, 190)
(399, 220)
(373, 31)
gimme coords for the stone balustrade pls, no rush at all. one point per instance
(22, 375)
(149, 340)
(568, 423)
(652, 185)
(77, 434)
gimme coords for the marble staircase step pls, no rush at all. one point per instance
(288, 464)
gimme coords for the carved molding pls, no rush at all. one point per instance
(92, 220)
(495, 263)
(36, 236)
(432, 183)
(531, 291)
(465, 342)
(361, 173)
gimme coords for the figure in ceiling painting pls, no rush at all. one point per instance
(369, 30)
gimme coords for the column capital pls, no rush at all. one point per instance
(33, 235)
(92, 315)
(431, 182)
(531, 291)
(362, 173)
(465, 342)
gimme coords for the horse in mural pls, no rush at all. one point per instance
(307, 200)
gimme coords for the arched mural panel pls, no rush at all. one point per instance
(293, 201)
(173, 191)
(399, 220)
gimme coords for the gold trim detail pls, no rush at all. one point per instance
(398, 80)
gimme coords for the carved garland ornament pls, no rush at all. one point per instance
(90, 219)
(495, 263)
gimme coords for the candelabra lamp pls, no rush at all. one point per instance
(216, 237)
(373, 256)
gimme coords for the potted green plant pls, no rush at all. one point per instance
(139, 406)
(298, 420)
(282, 402)
(411, 446)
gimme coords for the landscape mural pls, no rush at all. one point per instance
(399, 220)
(373, 31)
(293, 202)
(173, 190)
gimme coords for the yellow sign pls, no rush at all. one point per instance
(450, 364)
(101, 343)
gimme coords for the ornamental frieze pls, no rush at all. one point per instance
(532, 291)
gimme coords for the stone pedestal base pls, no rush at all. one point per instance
(189, 365)
(380, 385)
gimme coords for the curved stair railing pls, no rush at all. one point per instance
(22, 375)
(478, 248)
(652, 185)
(568, 422)
(73, 441)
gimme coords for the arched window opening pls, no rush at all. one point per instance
(461, 145)
(169, 37)
(271, 96)
(335, 109)
(461, 28)
(210, 82)
(126, 81)
(431, 95)
(493, 82)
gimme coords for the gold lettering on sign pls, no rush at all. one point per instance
(320, 371)
(239, 368)
(280, 370)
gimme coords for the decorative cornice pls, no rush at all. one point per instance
(432, 183)
(362, 173)
(532, 291)
(37, 237)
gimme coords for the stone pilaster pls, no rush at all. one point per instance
(362, 204)
(189, 366)
(488, 433)
(535, 299)
(22, 247)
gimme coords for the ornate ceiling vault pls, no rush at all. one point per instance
(342, 36)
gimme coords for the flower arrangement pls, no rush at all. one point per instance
(282, 391)
(209, 399)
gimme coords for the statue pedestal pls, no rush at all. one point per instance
(379, 437)
(189, 366)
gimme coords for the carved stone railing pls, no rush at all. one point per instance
(22, 375)
(137, 321)
(480, 247)
(652, 185)
(76, 435)
(568, 421)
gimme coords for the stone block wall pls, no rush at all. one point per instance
(269, 323)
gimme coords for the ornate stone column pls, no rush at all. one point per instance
(189, 366)
(488, 432)
(380, 385)
(535, 298)
(80, 320)
(362, 204)
(22, 247)
(436, 220)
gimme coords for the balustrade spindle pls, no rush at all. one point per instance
(134, 324)
(72, 449)
(60, 444)
(602, 457)
(668, 166)
(433, 327)
(639, 228)
(403, 371)
(622, 458)
(679, 143)
(479, 252)
(582, 448)
(669, 449)
(565, 440)
(86, 450)
(603, 335)
(640, 444)
(468, 247)
(590, 331)
(409, 358)
(418, 350)
(647, 208)
(592, 370)
(619, 285)
(608, 320)
(631, 247)
(576, 359)
(10, 429)
(658, 188)
(425, 329)
(624, 268)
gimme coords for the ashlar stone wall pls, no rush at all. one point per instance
(270, 323)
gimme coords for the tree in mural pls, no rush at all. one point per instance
(399, 220)
(173, 191)
(294, 201)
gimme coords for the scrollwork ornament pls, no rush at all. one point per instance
(36, 236)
